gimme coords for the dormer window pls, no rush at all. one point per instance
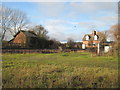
(87, 37)
(95, 37)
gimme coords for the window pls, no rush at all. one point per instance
(94, 44)
(87, 37)
(95, 37)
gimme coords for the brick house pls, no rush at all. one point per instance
(25, 39)
(93, 40)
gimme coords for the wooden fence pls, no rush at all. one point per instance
(39, 50)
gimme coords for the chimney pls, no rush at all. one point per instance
(93, 32)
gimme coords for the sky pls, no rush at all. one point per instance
(64, 20)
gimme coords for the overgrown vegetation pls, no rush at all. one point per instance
(59, 70)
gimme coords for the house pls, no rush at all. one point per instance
(96, 42)
(93, 40)
(26, 39)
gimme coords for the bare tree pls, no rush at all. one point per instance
(5, 20)
(40, 31)
(114, 32)
(0, 34)
(105, 35)
(19, 21)
(12, 21)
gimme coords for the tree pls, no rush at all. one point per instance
(12, 21)
(40, 31)
(70, 43)
(114, 32)
(19, 21)
(0, 34)
(54, 44)
(5, 20)
(105, 35)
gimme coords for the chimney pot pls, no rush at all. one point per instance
(93, 32)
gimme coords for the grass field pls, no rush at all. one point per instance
(59, 70)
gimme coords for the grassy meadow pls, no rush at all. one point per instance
(59, 70)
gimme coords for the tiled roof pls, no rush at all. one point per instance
(27, 33)
(91, 37)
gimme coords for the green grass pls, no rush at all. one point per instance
(59, 70)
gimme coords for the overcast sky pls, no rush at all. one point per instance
(65, 20)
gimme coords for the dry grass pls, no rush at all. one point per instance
(60, 70)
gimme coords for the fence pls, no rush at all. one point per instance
(13, 45)
(39, 50)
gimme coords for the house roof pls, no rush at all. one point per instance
(100, 36)
(27, 33)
